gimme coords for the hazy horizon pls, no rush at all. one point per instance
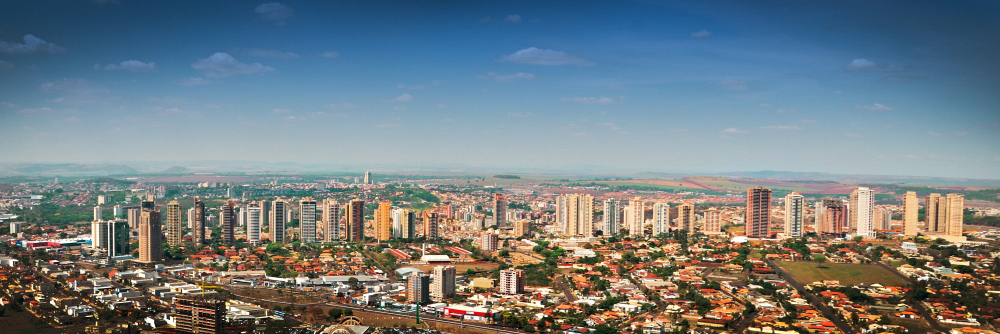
(874, 88)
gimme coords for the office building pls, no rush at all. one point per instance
(418, 288)
(111, 236)
(99, 234)
(575, 214)
(150, 236)
(934, 213)
(253, 223)
(954, 214)
(383, 221)
(713, 221)
(355, 220)
(197, 314)
(511, 281)
(431, 225)
(490, 241)
(795, 212)
(277, 220)
(368, 177)
(198, 229)
(758, 213)
(443, 286)
(911, 207)
(97, 213)
(834, 218)
(499, 210)
(307, 220)
(686, 217)
(661, 218)
(332, 215)
(612, 217)
(862, 212)
(117, 211)
(227, 217)
(174, 227)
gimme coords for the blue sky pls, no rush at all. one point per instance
(879, 87)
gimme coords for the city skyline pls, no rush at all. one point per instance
(907, 89)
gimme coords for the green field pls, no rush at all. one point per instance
(846, 273)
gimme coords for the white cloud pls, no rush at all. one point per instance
(865, 65)
(281, 111)
(222, 64)
(129, 65)
(536, 56)
(402, 98)
(194, 82)
(875, 107)
(31, 44)
(274, 12)
(513, 18)
(781, 127)
(74, 90)
(701, 34)
(590, 100)
(268, 53)
(521, 114)
(330, 54)
(507, 77)
(734, 130)
(731, 84)
(6, 65)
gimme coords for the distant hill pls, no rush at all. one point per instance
(175, 170)
(30, 169)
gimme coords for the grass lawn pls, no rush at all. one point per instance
(846, 273)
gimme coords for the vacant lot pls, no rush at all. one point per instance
(846, 273)
(460, 268)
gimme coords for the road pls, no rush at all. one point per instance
(410, 315)
(917, 305)
(844, 327)
(570, 296)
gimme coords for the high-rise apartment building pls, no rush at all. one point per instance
(444, 282)
(511, 281)
(277, 220)
(174, 224)
(368, 177)
(834, 218)
(818, 215)
(575, 214)
(111, 235)
(418, 288)
(758, 213)
(117, 211)
(713, 221)
(227, 217)
(404, 223)
(883, 219)
(97, 213)
(197, 314)
(490, 241)
(133, 217)
(500, 210)
(198, 229)
(253, 223)
(862, 212)
(15, 228)
(612, 217)
(911, 206)
(355, 216)
(685, 217)
(934, 213)
(431, 225)
(795, 212)
(307, 220)
(522, 227)
(383, 221)
(150, 236)
(635, 217)
(661, 218)
(954, 214)
(332, 215)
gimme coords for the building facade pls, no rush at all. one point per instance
(758, 213)
(150, 236)
(795, 207)
(661, 218)
(307, 220)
